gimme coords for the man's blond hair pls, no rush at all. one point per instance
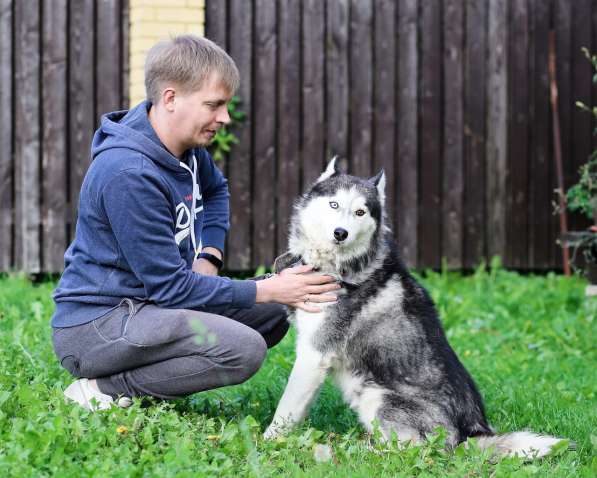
(186, 61)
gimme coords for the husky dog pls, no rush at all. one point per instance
(382, 339)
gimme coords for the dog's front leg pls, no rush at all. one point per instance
(308, 373)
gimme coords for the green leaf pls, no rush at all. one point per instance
(559, 448)
(251, 422)
(4, 395)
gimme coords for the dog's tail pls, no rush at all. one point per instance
(524, 444)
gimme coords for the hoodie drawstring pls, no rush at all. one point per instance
(195, 195)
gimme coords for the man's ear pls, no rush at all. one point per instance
(332, 168)
(169, 98)
(380, 183)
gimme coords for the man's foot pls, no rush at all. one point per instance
(86, 395)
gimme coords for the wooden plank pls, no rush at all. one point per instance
(240, 48)
(361, 86)
(6, 132)
(518, 152)
(474, 130)
(313, 91)
(593, 50)
(288, 124)
(540, 193)
(562, 21)
(108, 61)
(216, 13)
(337, 78)
(407, 134)
(125, 54)
(581, 91)
(453, 139)
(216, 16)
(497, 127)
(430, 136)
(264, 137)
(384, 99)
(54, 85)
(81, 94)
(27, 134)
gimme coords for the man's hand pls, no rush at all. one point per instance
(203, 266)
(297, 288)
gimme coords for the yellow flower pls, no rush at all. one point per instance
(122, 429)
(213, 437)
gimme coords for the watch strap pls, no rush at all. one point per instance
(216, 261)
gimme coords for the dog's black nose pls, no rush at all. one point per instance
(340, 234)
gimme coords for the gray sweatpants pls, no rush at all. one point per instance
(139, 349)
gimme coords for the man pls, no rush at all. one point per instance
(140, 309)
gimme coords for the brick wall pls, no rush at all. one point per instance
(155, 20)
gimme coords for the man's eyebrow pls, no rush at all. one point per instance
(216, 102)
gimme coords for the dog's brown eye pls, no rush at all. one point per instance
(333, 204)
(360, 212)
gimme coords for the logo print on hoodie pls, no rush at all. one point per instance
(183, 219)
(183, 223)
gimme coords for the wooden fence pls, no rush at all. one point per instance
(62, 64)
(450, 97)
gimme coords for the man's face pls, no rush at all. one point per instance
(198, 115)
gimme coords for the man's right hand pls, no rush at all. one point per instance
(298, 287)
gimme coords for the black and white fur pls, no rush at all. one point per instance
(382, 340)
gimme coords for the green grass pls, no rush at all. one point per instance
(528, 341)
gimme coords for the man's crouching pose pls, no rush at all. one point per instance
(140, 309)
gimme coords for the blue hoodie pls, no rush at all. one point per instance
(142, 215)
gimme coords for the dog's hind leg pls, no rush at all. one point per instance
(308, 373)
(411, 419)
(400, 424)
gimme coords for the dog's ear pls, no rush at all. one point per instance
(332, 168)
(285, 261)
(379, 180)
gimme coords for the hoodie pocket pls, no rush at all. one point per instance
(112, 326)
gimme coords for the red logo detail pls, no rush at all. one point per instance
(188, 197)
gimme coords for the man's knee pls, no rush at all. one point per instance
(235, 348)
(239, 350)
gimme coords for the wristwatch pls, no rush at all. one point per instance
(211, 258)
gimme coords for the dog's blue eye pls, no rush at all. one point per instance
(360, 212)
(333, 204)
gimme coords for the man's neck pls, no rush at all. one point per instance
(162, 129)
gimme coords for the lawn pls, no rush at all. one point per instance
(529, 342)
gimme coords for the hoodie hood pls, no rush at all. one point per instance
(132, 130)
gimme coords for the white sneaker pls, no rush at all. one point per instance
(85, 395)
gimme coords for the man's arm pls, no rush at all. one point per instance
(138, 210)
